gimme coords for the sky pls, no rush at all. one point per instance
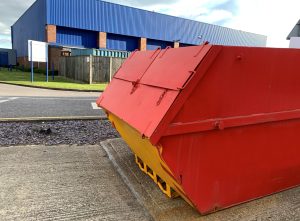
(273, 18)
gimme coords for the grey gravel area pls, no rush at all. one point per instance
(55, 133)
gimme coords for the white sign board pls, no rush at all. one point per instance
(39, 51)
(295, 42)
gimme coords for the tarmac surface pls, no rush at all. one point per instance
(277, 207)
(19, 91)
(22, 103)
(17, 108)
(63, 183)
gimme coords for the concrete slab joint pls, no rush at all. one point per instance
(63, 183)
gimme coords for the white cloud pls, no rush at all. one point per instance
(10, 11)
(274, 18)
(5, 30)
(5, 41)
(192, 9)
(215, 16)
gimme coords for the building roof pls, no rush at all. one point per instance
(295, 31)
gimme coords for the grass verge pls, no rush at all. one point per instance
(59, 82)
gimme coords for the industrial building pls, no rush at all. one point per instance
(294, 36)
(7, 57)
(103, 25)
(295, 32)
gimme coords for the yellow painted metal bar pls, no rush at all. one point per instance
(165, 188)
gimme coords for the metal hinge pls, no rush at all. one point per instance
(134, 86)
(161, 97)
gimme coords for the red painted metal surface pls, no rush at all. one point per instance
(175, 74)
(136, 65)
(141, 100)
(229, 130)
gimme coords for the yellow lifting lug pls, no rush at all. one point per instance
(163, 186)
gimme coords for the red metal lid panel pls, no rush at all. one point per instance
(143, 109)
(172, 68)
(136, 65)
(147, 85)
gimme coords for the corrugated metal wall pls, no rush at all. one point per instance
(113, 18)
(8, 57)
(31, 26)
(125, 24)
(76, 37)
(154, 44)
(120, 42)
(3, 59)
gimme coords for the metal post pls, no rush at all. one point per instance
(110, 69)
(91, 70)
(31, 62)
(52, 71)
(47, 63)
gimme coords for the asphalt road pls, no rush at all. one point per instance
(49, 107)
(19, 103)
(7, 90)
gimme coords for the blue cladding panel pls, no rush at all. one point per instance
(31, 26)
(154, 44)
(76, 37)
(121, 21)
(113, 18)
(119, 42)
(3, 59)
(8, 54)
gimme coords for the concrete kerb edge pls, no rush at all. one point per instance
(44, 119)
(106, 145)
(48, 88)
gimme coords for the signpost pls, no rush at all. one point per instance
(38, 52)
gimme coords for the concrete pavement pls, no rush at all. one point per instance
(278, 207)
(63, 183)
(87, 183)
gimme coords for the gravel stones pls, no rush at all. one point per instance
(56, 133)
